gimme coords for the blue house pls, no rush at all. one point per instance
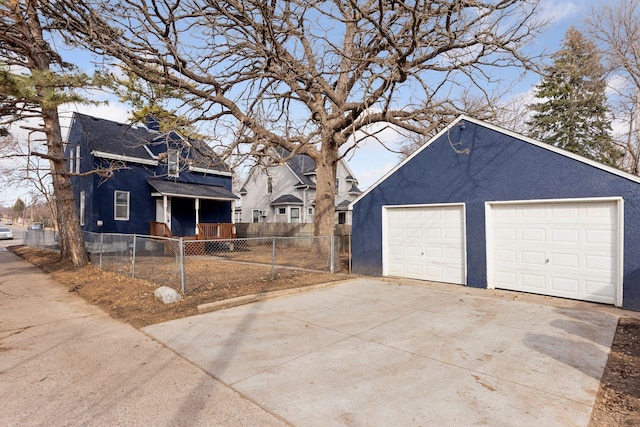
(488, 208)
(155, 177)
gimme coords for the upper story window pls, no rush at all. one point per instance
(173, 163)
(337, 185)
(269, 184)
(78, 158)
(71, 159)
(121, 205)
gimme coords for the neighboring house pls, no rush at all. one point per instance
(162, 177)
(488, 208)
(286, 190)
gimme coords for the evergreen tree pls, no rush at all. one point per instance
(572, 113)
(18, 208)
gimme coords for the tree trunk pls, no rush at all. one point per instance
(324, 218)
(71, 240)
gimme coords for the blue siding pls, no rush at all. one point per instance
(99, 193)
(497, 167)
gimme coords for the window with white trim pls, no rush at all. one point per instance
(71, 161)
(342, 217)
(295, 214)
(255, 215)
(82, 201)
(173, 163)
(121, 205)
(78, 158)
(282, 211)
(310, 210)
(269, 184)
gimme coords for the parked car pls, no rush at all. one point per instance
(6, 233)
(8, 222)
(36, 226)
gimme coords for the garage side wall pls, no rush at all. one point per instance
(473, 164)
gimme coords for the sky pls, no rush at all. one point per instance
(371, 161)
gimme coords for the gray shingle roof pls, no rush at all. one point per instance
(125, 140)
(287, 199)
(183, 189)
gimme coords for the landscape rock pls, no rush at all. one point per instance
(167, 295)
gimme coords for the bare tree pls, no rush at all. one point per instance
(33, 82)
(616, 28)
(313, 77)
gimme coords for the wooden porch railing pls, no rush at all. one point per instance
(206, 231)
(160, 229)
(209, 231)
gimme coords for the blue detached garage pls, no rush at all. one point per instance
(485, 207)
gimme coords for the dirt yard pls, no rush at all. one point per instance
(132, 301)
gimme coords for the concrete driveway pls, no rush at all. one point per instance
(397, 352)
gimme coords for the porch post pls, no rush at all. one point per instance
(233, 212)
(164, 209)
(197, 214)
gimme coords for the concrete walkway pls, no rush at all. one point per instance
(66, 363)
(399, 352)
(364, 352)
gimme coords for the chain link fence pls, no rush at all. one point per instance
(43, 239)
(194, 265)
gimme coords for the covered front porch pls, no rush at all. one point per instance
(192, 210)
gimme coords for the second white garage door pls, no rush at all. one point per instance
(425, 242)
(566, 249)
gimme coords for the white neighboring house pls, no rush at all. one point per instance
(286, 191)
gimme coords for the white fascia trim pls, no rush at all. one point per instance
(489, 238)
(188, 196)
(153, 156)
(512, 134)
(209, 171)
(557, 150)
(123, 158)
(564, 200)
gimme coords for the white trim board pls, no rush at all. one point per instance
(463, 118)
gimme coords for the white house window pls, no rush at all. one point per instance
(238, 216)
(78, 158)
(269, 184)
(121, 205)
(71, 161)
(295, 214)
(255, 215)
(337, 185)
(342, 217)
(282, 211)
(310, 211)
(82, 201)
(173, 163)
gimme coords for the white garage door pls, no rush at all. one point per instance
(564, 249)
(425, 242)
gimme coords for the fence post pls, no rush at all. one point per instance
(101, 248)
(349, 235)
(273, 259)
(182, 265)
(133, 258)
(332, 244)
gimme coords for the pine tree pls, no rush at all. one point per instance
(572, 113)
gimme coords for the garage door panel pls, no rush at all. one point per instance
(532, 282)
(535, 258)
(432, 238)
(566, 249)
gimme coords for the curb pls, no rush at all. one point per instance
(248, 299)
